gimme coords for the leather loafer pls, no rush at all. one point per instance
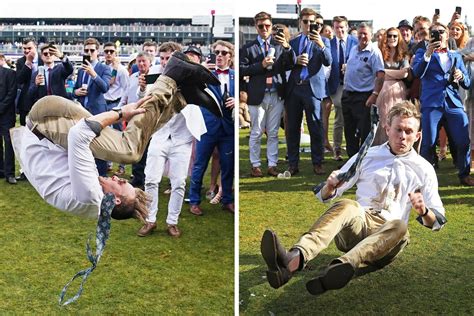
(196, 210)
(318, 169)
(11, 180)
(334, 277)
(202, 96)
(229, 208)
(173, 231)
(272, 171)
(256, 172)
(184, 71)
(468, 181)
(146, 229)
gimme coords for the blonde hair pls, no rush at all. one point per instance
(404, 109)
(133, 208)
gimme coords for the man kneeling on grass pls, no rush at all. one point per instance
(372, 231)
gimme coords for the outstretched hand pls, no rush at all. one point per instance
(132, 109)
(416, 199)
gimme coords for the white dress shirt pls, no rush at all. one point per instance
(67, 180)
(384, 181)
(120, 86)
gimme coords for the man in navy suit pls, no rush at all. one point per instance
(7, 121)
(306, 89)
(440, 99)
(53, 80)
(93, 81)
(266, 89)
(220, 133)
(341, 45)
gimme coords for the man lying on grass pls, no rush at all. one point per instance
(372, 231)
(57, 150)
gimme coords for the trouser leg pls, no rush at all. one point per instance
(155, 165)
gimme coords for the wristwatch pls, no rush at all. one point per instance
(119, 112)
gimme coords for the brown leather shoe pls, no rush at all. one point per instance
(196, 210)
(256, 172)
(229, 208)
(293, 170)
(318, 169)
(337, 155)
(281, 264)
(146, 229)
(272, 171)
(468, 181)
(173, 231)
(334, 277)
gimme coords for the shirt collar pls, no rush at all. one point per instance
(261, 41)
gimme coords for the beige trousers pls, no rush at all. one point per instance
(367, 239)
(53, 116)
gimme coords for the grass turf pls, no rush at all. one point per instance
(42, 248)
(433, 275)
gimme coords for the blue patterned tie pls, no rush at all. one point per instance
(304, 71)
(102, 234)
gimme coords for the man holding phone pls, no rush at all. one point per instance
(93, 81)
(306, 90)
(440, 99)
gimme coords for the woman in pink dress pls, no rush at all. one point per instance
(397, 68)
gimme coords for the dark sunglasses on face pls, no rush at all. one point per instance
(109, 51)
(221, 52)
(87, 50)
(46, 54)
(392, 35)
(308, 21)
(262, 26)
(441, 31)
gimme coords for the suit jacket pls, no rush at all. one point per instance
(318, 58)
(95, 90)
(23, 78)
(434, 80)
(225, 124)
(251, 57)
(8, 90)
(59, 74)
(334, 77)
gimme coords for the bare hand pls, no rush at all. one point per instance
(267, 61)
(30, 56)
(55, 52)
(469, 57)
(81, 92)
(371, 100)
(132, 109)
(280, 39)
(302, 60)
(316, 38)
(230, 103)
(332, 182)
(89, 69)
(416, 199)
(431, 47)
(458, 75)
(456, 17)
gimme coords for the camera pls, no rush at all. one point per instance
(435, 36)
(212, 58)
(315, 27)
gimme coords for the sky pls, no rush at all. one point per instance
(383, 13)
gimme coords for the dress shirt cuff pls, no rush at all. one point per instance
(426, 58)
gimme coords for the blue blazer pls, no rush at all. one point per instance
(334, 78)
(316, 77)
(434, 80)
(23, 77)
(59, 75)
(95, 91)
(250, 64)
(225, 124)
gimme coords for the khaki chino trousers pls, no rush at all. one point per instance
(53, 116)
(366, 238)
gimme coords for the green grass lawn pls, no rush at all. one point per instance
(433, 275)
(42, 248)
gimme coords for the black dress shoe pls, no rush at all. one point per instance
(334, 277)
(202, 96)
(21, 177)
(185, 72)
(11, 180)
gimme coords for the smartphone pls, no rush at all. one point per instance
(436, 11)
(458, 10)
(280, 32)
(151, 79)
(435, 36)
(315, 27)
(86, 57)
(212, 58)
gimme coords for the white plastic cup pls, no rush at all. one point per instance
(84, 86)
(41, 71)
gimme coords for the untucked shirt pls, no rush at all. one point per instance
(384, 180)
(65, 179)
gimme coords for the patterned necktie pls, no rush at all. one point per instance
(102, 234)
(269, 80)
(49, 89)
(85, 80)
(341, 59)
(304, 71)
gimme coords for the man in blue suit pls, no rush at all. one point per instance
(266, 89)
(93, 80)
(220, 133)
(341, 45)
(440, 99)
(53, 80)
(306, 89)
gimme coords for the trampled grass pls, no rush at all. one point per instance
(41, 248)
(433, 275)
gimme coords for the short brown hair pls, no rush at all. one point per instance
(308, 11)
(405, 109)
(438, 24)
(340, 18)
(137, 208)
(225, 44)
(92, 41)
(262, 16)
(169, 47)
(150, 43)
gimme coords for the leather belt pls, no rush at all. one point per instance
(32, 128)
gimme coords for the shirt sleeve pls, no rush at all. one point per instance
(432, 198)
(83, 171)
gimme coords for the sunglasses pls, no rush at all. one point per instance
(441, 31)
(392, 35)
(262, 26)
(109, 51)
(87, 50)
(221, 52)
(46, 54)
(309, 21)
